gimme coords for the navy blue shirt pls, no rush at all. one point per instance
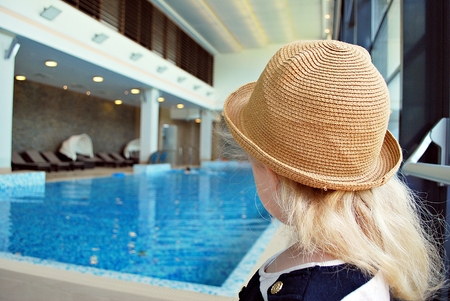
(330, 283)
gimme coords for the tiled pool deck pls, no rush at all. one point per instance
(24, 270)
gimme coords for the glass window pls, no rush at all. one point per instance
(395, 91)
(378, 9)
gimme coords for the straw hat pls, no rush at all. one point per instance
(318, 115)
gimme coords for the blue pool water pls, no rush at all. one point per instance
(192, 228)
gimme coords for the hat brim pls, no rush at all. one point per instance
(386, 165)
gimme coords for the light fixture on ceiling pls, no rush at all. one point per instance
(50, 13)
(135, 91)
(12, 50)
(88, 93)
(118, 102)
(198, 120)
(99, 38)
(161, 69)
(160, 99)
(135, 56)
(51, 64)
(65, 87)
(21, 77)
(327, 16)
(327, 30)
(97, 79)
(180, 106)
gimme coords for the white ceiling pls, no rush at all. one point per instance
(225, 26)
(220, 26)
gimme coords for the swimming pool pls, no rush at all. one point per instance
(193, 229)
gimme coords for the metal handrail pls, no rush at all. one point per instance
(435, 172)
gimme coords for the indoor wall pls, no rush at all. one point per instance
(44, 116)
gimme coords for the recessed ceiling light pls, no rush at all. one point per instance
(135, 91)
(160, 99)
(65, 87)
(97, 79)
(118, 102)
(161, 69)
(50, 13)
(21, 77)
(88, 93)
(99, 38)
(135, 56)
(180, 106)
(51, 63)
(198, 120)
(327, 16)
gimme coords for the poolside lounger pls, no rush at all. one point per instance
(35, 156)
(17, 163)
(53, 159)
(118, 157)
(88, 161)
(107, 160)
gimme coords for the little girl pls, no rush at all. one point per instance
(314, 126)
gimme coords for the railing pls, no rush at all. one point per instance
(439, 173)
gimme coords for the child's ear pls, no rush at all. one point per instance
(274, 179)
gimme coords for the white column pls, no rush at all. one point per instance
(8, 51)
(149, 124)
(205, 136)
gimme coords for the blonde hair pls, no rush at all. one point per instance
(377, 230)
(383, 229)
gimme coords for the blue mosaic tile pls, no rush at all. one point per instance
(22, 179)
(220, 165)
(151, 168)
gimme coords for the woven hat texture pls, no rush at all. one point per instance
(318, 115)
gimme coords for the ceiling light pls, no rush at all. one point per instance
(327, 16)
(51, 63)
(198, 120)
(21, 77)
(160, 99)
(161, 69)
(97, 79)
(118, 102)
(65, 87)
(180, 106)
(99, 38)
(135, 56)
(88, 93)
(327, 30)
(50, 13)
(135, 91)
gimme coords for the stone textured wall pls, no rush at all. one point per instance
(45, 116)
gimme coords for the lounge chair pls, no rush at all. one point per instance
(35, 156)
(18, 163)
(88, 161)
(53, 159)
(118, 157)
(106, 160)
